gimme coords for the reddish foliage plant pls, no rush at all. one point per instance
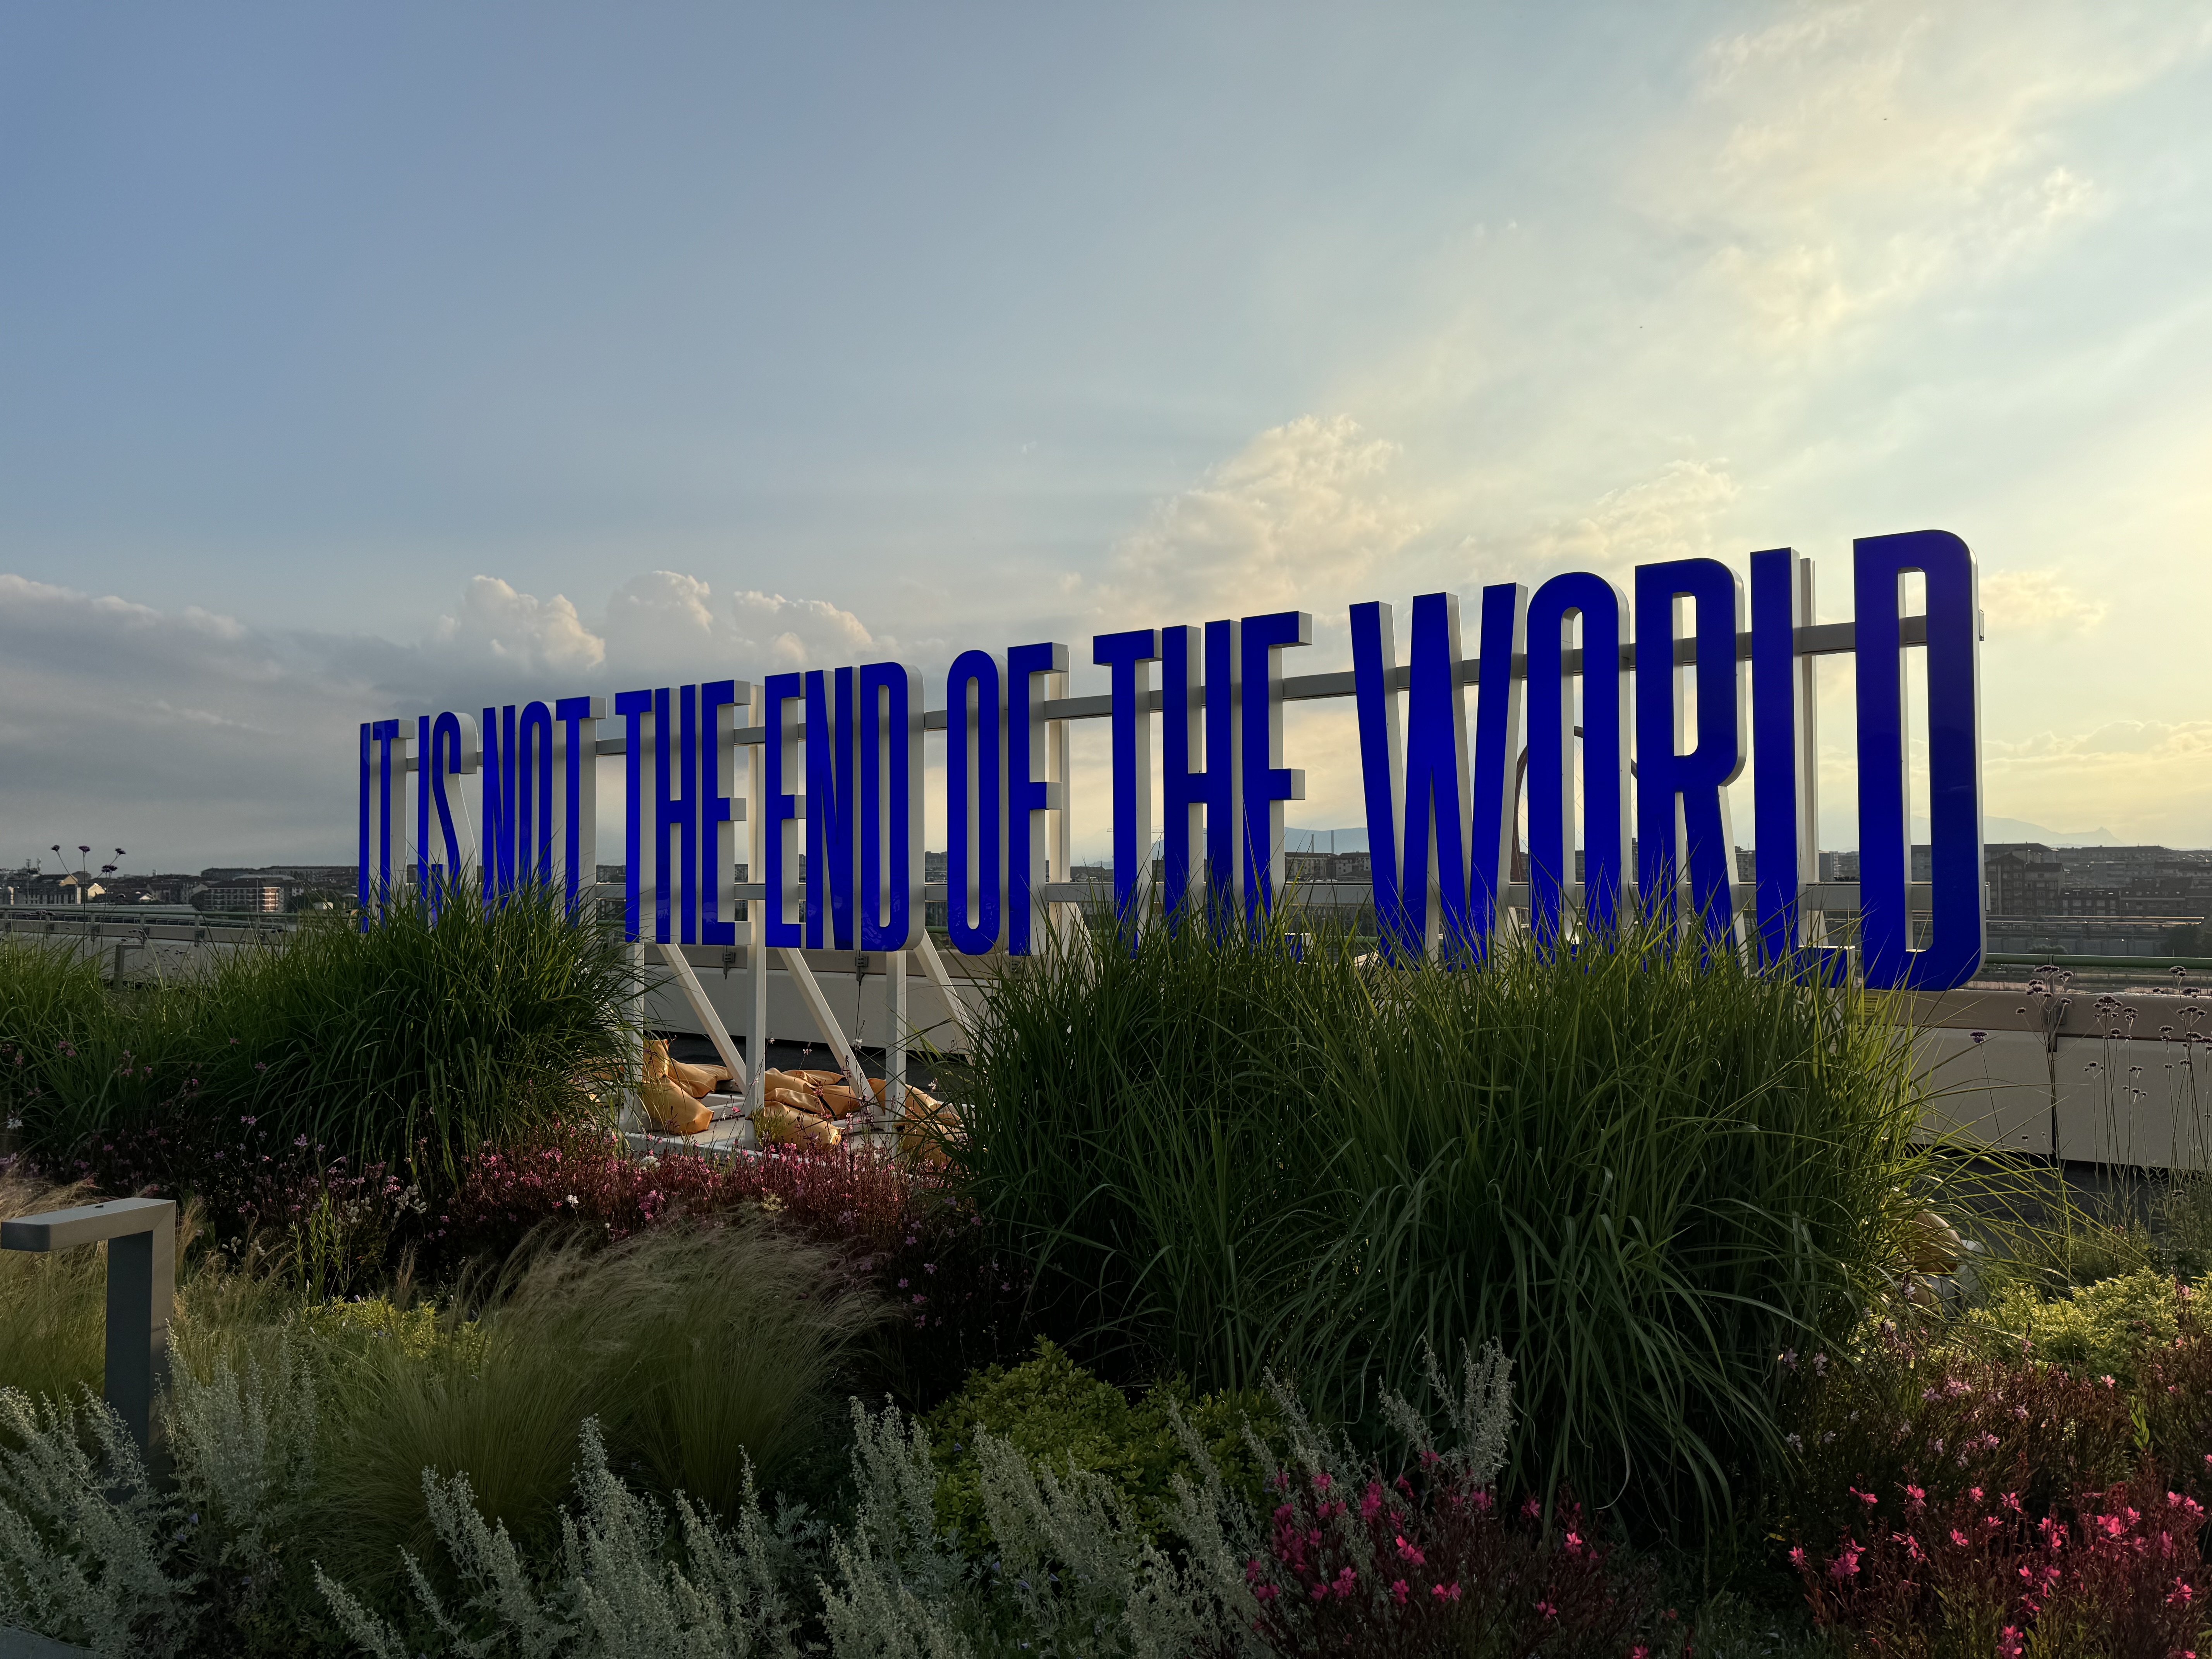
(1908, 1413)
(339, 1227)
(898, 1228)
(1437, 1569)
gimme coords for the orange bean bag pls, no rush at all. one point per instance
(696, 1081)
(923, 1128)
(671, 1109)
(779, 1125)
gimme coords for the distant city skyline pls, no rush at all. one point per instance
(366, 361)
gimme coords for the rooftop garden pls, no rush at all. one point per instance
(1251, 1300)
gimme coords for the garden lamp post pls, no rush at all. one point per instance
(141, 1235)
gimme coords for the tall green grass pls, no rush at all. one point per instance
(1644, 1172)
(449, 1025)
(53, 1306)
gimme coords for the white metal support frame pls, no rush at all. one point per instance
(636, 1041)
(756, 918)
(933, 965)
(695, 994)
(795, 962)
(894, 1049)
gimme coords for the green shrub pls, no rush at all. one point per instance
(1061, 1417)
(449, 1029)
(1644, 1172)
(355, 1327)
(2099, 1329)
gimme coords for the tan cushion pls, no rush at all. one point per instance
(672, 1111)
(697, 1081)
(928, 1121)
(781, 1125)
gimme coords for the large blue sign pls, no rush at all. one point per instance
(1592, 703)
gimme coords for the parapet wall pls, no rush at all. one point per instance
(2113, 1077)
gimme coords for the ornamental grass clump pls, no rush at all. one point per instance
(436, 1028)
(1644, 1167)
(705, 1352)
(53, 1305)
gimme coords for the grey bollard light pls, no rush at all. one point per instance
(141, 1235)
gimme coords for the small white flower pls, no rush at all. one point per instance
(572, 1200)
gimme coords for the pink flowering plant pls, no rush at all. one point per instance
(1430, 1562)
(2116, 1573)
(1435, 1564)
(1962, 1493)
(1913, 1409)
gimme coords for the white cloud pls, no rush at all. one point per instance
(665, 618)
(2017, 602)
(660, 613)
(1852, 158)
(796, 633)
(201, 739)
(2185, 741)
(175, 733)
(2147, 777)
(1300, 518)
(518, 630)
(1669, 515)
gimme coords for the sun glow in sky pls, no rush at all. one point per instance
(362, 359)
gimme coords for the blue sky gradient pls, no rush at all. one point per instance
(362, 359)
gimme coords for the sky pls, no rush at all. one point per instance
(359, 361)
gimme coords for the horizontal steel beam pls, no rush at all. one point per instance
(1838, 897)
(1821, 640)
(1833, 897)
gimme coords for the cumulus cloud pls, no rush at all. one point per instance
(1300, 518)
(1668, 515)
(519, 629)
(665, 616)
(2029, 602)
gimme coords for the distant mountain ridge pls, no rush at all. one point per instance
(1995, 829)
